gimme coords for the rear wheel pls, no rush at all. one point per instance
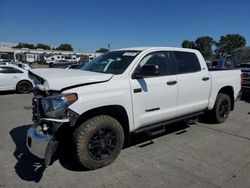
(222, 108)
(98, 141)
(24, 87)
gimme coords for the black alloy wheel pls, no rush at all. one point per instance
(224, 109)
(102, 144)
(98, 141)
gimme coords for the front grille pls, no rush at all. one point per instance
(36, 104)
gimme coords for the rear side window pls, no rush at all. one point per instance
(187, 62)
(9, 70)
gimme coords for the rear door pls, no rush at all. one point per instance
(9, 76)
(194, 83)
(154, 98)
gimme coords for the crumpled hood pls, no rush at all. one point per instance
(63, 79)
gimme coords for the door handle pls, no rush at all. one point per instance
(14, 76)
(205, 78)
(137, 90)
(170, 83)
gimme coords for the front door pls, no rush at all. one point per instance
(9, 77)
(154, 98)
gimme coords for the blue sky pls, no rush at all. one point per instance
(91, 24)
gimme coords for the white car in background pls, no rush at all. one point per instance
(19, 64)
(13, 77)
(22, 65)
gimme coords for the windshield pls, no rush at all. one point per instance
(114, 62)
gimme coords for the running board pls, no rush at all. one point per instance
(162, 124)
(154, 132)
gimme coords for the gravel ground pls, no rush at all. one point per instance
(197, 155)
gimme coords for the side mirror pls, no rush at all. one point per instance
(147, 70)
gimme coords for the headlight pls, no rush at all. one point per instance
(55, 106)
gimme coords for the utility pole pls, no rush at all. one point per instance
(109, 47)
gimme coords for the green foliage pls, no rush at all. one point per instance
(65, 47)
(25, 45)
(43, 46)
(229, 43)
(188, 44)
(225, 46)
(102, 50)
(204, 45)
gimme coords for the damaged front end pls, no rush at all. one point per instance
(50, 113)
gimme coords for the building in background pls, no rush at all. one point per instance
(44, 56)
(6, 53)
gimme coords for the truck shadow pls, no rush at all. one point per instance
(68, 161)
(31, 168)
(28, 167)
(246, 97)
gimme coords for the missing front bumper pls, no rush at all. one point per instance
(41, 145)
(37, 142)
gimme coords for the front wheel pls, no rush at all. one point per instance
(222, 108)
(98, 141)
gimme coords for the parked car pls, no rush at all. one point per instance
(25, 66)
(15, 78)
(75, 66)
(59, 64)
(5, 63)
(6, 60)
(125, 92)
(19, 64)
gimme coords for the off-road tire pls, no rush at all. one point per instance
(87, 131)
(24, 86)
(218, 113)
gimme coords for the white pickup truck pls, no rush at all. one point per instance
(123, 92)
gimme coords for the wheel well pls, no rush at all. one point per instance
(230, 92)
(116, 111)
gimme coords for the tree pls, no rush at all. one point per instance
(188, 44)
(43, 46)
(204, 45)
(24, 45)
(229, 43)
(65, 47)
(102, 50)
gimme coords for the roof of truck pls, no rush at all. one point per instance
(156, 48)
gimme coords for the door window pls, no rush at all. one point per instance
(9, 70)
(161, 59)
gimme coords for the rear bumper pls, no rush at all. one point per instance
(245, 89)
(37, 142)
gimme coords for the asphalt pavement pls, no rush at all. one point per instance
(197, 155)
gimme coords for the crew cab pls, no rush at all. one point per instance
(124, 92)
